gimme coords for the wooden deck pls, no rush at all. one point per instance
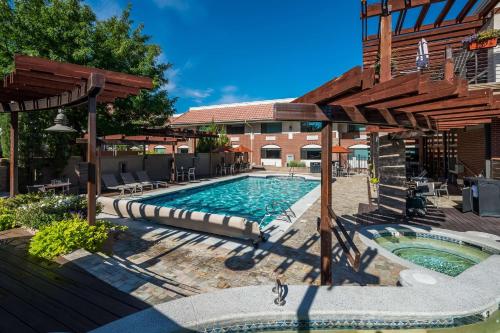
(445, 218)
(46, 296)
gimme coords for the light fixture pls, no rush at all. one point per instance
(61, 124)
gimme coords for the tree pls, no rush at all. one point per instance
(208, 144)
(67, 30)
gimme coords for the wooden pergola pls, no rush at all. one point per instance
(443, 32)
(37, 84)
(415, 101)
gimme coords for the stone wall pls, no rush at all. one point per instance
(392, 174)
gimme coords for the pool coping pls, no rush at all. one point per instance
(471, 297)
(366, 234)
(273, 231)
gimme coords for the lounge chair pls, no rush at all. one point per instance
(110, 183)
(128, 179)
(144, 178)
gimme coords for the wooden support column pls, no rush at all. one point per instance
(449, 65)
(326, 201)
(96, 85)
(14, 137)
(385, 47)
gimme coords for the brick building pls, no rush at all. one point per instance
(273, 143)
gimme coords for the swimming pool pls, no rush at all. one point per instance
(246, 197)
(440, 254)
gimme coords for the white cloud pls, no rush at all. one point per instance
(179, 5)
(198, 95)
(104, 9)
(230, 95)
(172, 76)
(229, 89)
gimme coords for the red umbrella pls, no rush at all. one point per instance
(241, 149)
(340, 150)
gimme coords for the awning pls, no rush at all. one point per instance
(183, 147)
(359, 146)
(271, 147)
(311, 147)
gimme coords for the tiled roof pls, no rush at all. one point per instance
(229, 113)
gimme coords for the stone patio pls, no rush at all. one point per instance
(170, 263)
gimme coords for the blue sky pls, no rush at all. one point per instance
(227, 51)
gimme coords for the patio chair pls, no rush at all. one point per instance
(443, 189)
(191, 173)
(128, 179)
(110, 183)
(431, 192)
(144, 178)
(179, 173)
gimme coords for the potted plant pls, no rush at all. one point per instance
(482, 40)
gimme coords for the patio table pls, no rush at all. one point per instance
(64, 186)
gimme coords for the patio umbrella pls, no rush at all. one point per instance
(422, 54)
(241, 149)
(340, 150)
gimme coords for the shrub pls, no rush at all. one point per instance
(68, 235)
(50, 209)
(296, 164)
(9, 206)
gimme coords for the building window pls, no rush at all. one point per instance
(160, 149)
(310, 154)
(183, 149)
(235, 129)
(356, 128)
(270, 128)
(274, 153)
(311, 126)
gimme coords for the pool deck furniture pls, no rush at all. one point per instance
(143, 177)
(53, 296)
(128, 179)
(191, 174)
(110, 183)
(63, 186)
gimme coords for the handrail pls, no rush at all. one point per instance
(353, 259)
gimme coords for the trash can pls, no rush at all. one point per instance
(315, 167)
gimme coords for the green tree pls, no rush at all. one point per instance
(206, 144)
(67, 30)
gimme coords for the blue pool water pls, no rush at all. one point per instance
(245, 197)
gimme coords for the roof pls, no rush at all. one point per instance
(38, 84)
(229, 113)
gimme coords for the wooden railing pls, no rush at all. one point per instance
(352, 251)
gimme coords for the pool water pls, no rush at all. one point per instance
(245, 197)
(441, 256)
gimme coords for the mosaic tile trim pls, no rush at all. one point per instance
(352, 324)
(486, 249)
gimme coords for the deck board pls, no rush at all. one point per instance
(445, 218)
(42, 296)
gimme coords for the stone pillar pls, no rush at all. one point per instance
(495, 148)
(392, 174)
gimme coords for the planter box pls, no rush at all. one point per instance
(483, 45)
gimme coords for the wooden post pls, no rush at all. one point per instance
(326, 201)
(91, 161)
(385, 47)
(449, 65)
(14, 136)
(98, 171)
(96, 84)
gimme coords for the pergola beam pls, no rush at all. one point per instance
(440, 18)
(465, 10)
(421, 16)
